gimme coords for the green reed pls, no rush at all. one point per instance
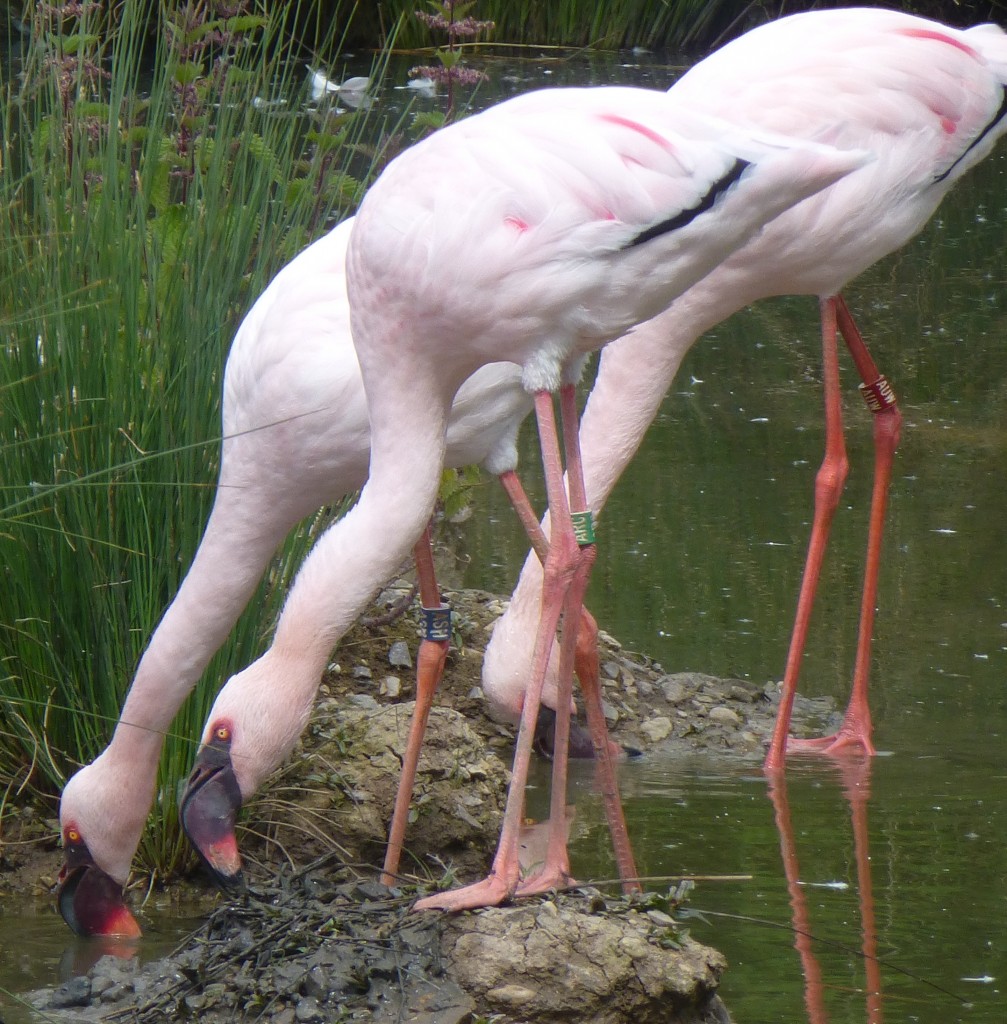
(146, 200)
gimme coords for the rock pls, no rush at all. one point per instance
(542, 962)
(674, 689)
(724, 716)
(75, 992)
(362, 672)
(390, 686)
(398, 655)
(317, 982)
(657, 728)
(115, 993)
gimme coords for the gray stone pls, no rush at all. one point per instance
(391, 686)
(115, 993)
(75, 992)
(398, 655)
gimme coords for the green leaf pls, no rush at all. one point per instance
(187, 72)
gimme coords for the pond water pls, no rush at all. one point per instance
(700, 554)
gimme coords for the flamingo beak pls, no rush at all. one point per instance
(91, 901)
(209, 810)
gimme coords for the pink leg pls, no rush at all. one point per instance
(828, 486)
(586, 663)
(587, 672)
(561, 565)
(856, 727)
(429, 669)
(856, 787)
(586, 667)
(855, 732)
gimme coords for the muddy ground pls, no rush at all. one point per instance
(317, 938)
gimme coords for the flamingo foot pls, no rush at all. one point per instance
(838, 743)
(549, 878)
(850, 739)
(490, 892)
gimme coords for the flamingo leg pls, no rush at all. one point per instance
(856, 728)
(586, 669)
(429, 668)
(561, 564)
(828, 487)
(555, 870)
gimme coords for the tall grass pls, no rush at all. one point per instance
(145, 201)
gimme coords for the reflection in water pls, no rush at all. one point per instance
(855, 774)
(83, 954)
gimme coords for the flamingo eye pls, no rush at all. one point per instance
(222, 733)
(72, 835)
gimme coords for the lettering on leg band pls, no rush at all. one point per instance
(583, 527)
(437, 623)
(879, 395)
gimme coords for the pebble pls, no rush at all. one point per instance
(391, 686)
(308, 1011)
(398, 655)
(723, 715)
(115, 993)
(362, 672)
(674, 689)
(317, 982)
(511, 995)
(657, 728)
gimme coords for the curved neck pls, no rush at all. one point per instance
(224, 573)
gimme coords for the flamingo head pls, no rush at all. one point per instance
(253, 725)
(101, 824)
(210, 804)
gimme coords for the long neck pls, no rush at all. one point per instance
(354, 558)
(224, 573)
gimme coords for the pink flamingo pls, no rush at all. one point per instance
(536, 232)
(295, 438)
(930, 102)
